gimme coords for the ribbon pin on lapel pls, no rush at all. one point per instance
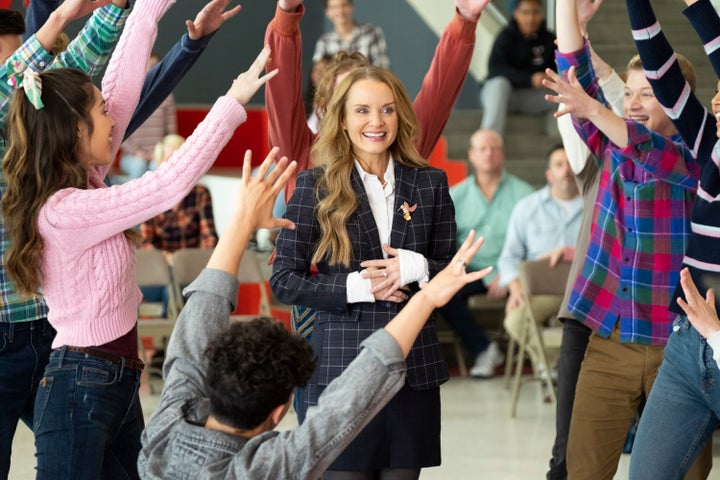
(407, 210)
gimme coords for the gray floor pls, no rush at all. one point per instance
(480, 440)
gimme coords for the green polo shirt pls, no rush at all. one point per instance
(489, 218)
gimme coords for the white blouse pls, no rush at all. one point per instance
(413, 265)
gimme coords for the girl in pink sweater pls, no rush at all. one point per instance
(70, 239)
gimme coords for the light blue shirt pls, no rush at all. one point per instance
(538, 224)
(489, 218)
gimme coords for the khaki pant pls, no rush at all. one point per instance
(544, 308)
(614, 378)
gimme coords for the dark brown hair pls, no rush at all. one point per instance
(42, 158)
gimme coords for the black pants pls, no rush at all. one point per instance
(572, 351)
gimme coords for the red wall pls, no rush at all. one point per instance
(252, 134)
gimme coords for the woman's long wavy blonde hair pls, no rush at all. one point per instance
(333, 151)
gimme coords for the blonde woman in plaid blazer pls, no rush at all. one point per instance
(376, 220)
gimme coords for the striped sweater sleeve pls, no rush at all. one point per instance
(695, 125)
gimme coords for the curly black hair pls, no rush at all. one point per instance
(252, 368)
(11, 22)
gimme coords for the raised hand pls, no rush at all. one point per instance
(471, 9)
(210, 19)
(258, 193)
(586, 10)
(452, 278)
(249, 82)
(571, 94)
(700, 311)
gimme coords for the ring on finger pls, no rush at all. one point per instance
(461, 262)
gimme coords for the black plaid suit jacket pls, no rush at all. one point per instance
(341, 327)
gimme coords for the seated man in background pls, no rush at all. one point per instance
(545, 223)
(521, 53)
(228, 386)
(483, 202)
(350, 36)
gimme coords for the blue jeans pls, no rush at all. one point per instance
(682, 409)
(24, 351)
(88, 419)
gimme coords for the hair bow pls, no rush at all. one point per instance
(30, 80)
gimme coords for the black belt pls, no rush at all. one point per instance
(133, 363)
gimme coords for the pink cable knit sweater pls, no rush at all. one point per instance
(88, 265)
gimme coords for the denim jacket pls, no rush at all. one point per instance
(175, 444)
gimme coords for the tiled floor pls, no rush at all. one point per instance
(480, 440)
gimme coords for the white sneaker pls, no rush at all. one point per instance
(542, 374)
(486, 361)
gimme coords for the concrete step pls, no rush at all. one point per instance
(526, 142)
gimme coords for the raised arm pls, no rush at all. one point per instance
(444, 79)
(80, 218)
(91, 48)
(350, 401)
(567, 25)
(35, 52)
(122, 82)
(287, 124)
(692, 120)
(213, 295)
(164, 77)
(579, 90)
(704, 19)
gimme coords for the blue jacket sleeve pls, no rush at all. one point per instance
(162, 79)
(38, 11)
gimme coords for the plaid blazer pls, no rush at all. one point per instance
(341, 327)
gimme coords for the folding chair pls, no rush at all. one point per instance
(187, 263)
(538, 280)
(253, 297)
(152, 271)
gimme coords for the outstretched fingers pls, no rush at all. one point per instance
(265, 165)
(249, 82)
(247, 168)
